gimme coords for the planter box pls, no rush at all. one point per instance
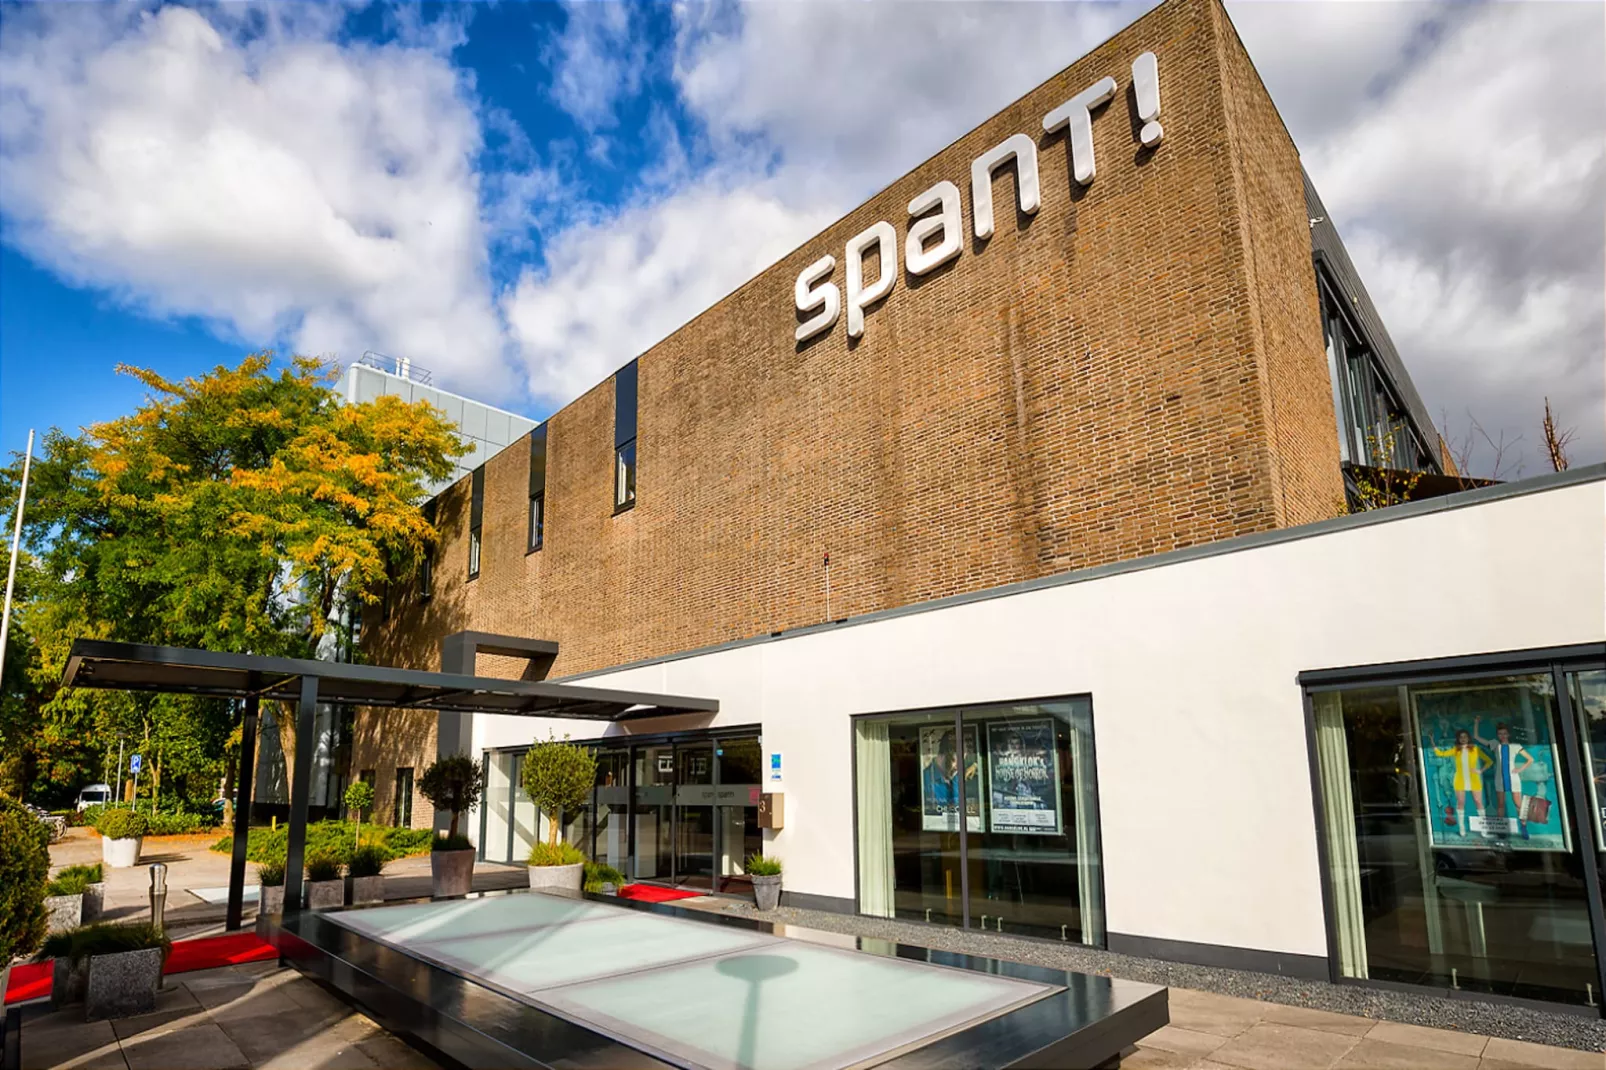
(452, 872)
(767, 892)
(326, 895)
(368, 889)
(64, 912)
(123, 984)
(121, 854)
(68, 979)
(549, 878)
(94, 901)
(270, 899)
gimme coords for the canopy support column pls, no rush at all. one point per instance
(300, 793)
(242, 813)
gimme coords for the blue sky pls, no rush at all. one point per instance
(522, 197)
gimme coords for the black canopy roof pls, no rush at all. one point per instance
(178, 671)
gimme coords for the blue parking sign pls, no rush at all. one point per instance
(133, 764)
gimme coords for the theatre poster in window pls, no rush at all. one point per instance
(1024, 777)
(939, 767)
(1488, 756)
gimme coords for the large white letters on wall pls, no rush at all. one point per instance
(815, 294)
(919, 259)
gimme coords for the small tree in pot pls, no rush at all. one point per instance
(766, 876)
(452, 784)
(558, 777)
(24, 867)
(122, 832)
(359, 797)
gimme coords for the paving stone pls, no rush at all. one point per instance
(393, 1054)
(1326, 1021)
(1284, 1047)
(64, 1039)
(1157, 1059)
(1539, 1055)
(1204, 1012)
(1422, 1037)
(255, 1002)
(173, 1004)
(1182, 1041)
(1382, 1055)
(196, 1046)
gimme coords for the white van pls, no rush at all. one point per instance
(93, 795)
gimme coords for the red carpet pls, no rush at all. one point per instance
(32, 980)
(651, 893)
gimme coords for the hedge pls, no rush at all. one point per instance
(333, 837)
(24, 868)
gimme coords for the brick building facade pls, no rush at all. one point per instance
(1137, 367)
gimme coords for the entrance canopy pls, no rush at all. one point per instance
(178, 671)
(167, 670)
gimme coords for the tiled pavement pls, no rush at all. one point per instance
(233, 1018)
(1211, 1032)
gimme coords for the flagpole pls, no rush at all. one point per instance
(16, 542)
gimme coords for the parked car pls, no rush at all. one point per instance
(94, 795)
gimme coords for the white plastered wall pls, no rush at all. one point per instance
(1204, 785)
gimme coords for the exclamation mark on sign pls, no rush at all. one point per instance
(1146, 87)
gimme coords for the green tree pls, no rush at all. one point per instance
(452, 783)
(558, 777)
(359, 797)
(24, 867)
(230, 511)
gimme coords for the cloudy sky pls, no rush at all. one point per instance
(521, 198)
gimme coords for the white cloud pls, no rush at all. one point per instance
(1461, 150)
(253, 173)
(597, 61)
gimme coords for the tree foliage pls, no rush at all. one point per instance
(558, 777)
(452, 783)
(24, 870)
(231, 511)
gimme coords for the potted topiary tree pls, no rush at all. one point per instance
(359, 797)
(558, 777)
(766, 876)
(270, 887)
(366, 872)
(121, 834)
(24, 867)
(325, 888)
(452, 784)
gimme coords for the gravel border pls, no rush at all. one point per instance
(1466, 1016)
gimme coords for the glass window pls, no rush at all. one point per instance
(625, 476)
(1588, 693)
(1022, 775)
(474, 553)
(1451, 860)
(476, 517)
(402, 804)
(612, 835)
(537, 487)
(496, 808)
(537, 508)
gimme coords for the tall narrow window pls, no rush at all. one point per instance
(402, 805)
(426, 570)
(624, 437)
(537, 488)
(475, 516)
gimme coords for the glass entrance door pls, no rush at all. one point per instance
(653, 812)
(611, 823)
(738, 774)
(694, 815)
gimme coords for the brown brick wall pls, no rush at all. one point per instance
(1136, 368)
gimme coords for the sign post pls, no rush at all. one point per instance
(133, 767)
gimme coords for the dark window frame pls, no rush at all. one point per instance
(626, 405)
(1556, 662)
(535, 538)
(476, 547)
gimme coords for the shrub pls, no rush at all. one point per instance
(24, 869)
(558, 776)
(555, 854)
(452, 783)
(270, 874)
(759, 866)
(368, 860)
(323, 866)
(74, 879)
(333, 836)
(122, 824)
(106, 938)
(600, 873)
(452, 841)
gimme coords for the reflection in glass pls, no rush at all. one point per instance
(1588, 693)
(655, 792)
(498, 806)
(611, 844)
(1450, 860)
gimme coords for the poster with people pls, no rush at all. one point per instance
(1023, 772)
(1488, 757)
(939, 788)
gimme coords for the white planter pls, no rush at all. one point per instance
(121, 854)
(452, 872)
(368, 889)
(270, 899)
(64, 912)
(551, 878)
(326, 895)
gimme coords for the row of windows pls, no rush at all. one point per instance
(624, 489)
